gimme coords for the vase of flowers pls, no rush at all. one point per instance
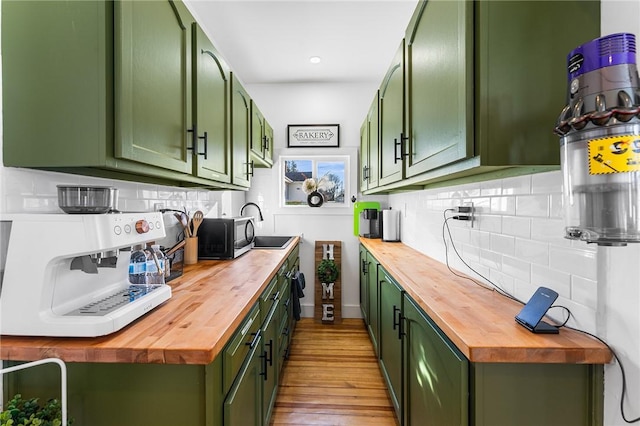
(314, 188)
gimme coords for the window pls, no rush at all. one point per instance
(302, 175)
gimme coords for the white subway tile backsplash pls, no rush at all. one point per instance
(549, 230)
(516, 268)
(532, 251)
(516, 226)
(556, 206)
(584, 291)
(546, 183)
(543, 276)
(532, 205)
(502, 281)
(489, 223)
(503, 205)
(491, 188)
(504, 244)
(576, 262)
(491, 259)
(35, 191)
(516, 185)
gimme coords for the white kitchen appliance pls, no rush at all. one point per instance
(67, 275)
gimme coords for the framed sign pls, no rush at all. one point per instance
(313, 135)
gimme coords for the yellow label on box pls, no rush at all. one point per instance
(614, 154)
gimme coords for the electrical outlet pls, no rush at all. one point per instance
(158, 206)
(466, 212)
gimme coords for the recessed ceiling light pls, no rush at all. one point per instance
(315, 59)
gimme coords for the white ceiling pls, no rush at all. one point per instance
(267, 41)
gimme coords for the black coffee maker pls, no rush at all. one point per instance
(369, 225)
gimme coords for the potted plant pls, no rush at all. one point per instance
(28, 412)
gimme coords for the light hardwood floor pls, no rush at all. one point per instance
(332, 378)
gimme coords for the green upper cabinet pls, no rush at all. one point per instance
(57, 102)
(521, 75)
(153, 83)
(261, 143)
(391, 121)
(126, 89)
(209, 132)
(369, 147)
(439, 87)
(268, 145)
(240, 132)
(483, 84)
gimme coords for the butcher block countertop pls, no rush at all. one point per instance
(479, 322)
(208, 303)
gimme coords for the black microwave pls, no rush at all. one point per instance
(225, 238)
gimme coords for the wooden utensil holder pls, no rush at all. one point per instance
(191, 251)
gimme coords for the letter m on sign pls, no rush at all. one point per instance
(327, 291)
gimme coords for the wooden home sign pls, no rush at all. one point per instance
(328, 295)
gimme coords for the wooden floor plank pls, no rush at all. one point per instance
(332, 378)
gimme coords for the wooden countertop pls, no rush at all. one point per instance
(478, 321)
(208, 303)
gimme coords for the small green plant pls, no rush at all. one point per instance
(28, 412)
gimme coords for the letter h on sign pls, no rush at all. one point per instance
(327, 251)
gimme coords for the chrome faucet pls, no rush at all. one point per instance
(252, 204)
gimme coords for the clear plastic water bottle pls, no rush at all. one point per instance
(155, 265)
(138, 266)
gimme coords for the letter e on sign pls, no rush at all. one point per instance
(327, 312)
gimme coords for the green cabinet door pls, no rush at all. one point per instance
(260, 142)
(242, 168)
(57, 92)
(391, 336)
(374, 298)
(391, 121)
(268, 143)
(369, 138)
(437, 374)
(439, 86)
(209, 132)
(521, 75)
(364, 285)
(243, 404)
(364, 154)
(153, 83)
(271, 360)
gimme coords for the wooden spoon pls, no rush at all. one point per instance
(182, 218)
(197, 219)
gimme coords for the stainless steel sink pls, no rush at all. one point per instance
(271, 241)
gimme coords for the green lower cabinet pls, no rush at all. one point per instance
(243, 404)
(101, 394)
(374, 299)
(364, 288)
(390, 341)
(436, 383)
(271, 360)
(536, 394)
